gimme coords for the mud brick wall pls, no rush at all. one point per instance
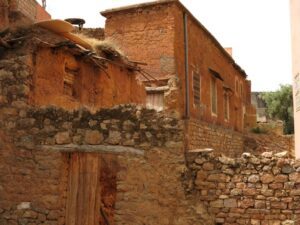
(248, 189)
(204, 135)
(34, 177)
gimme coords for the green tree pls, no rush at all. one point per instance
(280, 106)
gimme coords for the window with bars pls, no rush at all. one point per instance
(213, 95)
(196, 89)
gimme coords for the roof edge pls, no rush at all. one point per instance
(135, 6)
(105, 13)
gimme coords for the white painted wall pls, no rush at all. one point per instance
(295, 25)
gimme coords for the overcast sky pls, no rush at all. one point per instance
(257, 30)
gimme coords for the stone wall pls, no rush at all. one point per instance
(259, 143)
(37, 145)
(248, 189)
(204, 135)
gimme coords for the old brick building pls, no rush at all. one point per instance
(73, 152)
(194, 74)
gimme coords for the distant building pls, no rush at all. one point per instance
(260, 105)
(295, 25)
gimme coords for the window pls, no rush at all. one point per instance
(155, 100)
(236, 86)
(241, 89)
(226, 106)
(213, 93)
(70, 77)
(196, 89)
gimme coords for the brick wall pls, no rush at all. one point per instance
(41, 13)
(150, 29)
(248, 189)
(158, 29)
(31, 9)
(205, 135)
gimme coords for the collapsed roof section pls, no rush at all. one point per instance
(57, 34)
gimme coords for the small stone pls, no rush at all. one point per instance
(246, 155)
(199, 161)
(230, 203)
(30, 214)
(259, 204)
(295, 177)
(267, 178)
(128, 125)
(254, 160)
(208, 166)
(62, 138)
(228, 172)
(114, 137)
(236, 192)
(93, 123)
(267, 154)
(253, 179)
(255, 222)
(24, 205)
(227, 161)
(281, 178)
(93, 137)
(287, 169)
(223, 197)
(288, 222)
(282, 154)
(246, 203)
(217, 204)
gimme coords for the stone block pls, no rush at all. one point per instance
(62, 138)
(93, 137)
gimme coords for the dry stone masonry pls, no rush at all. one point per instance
(249, 189)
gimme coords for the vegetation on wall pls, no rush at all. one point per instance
(280, 106)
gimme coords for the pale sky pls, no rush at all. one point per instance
(257, 30)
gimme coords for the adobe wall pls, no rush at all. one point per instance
(37, 145)
(224, 141)
(248, 189)
(203, 54)
(93, 88)
(146, 35)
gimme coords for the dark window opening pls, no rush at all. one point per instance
(196, 89)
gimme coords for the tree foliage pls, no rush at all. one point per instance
(280, 106)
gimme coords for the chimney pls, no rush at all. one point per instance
(229, 51)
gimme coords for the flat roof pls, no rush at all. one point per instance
(107, 12)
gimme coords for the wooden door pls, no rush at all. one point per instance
(83, 198)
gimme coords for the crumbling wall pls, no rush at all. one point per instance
(37, 144)
(91, 87)
(259, 143)
(248, 189)
(204, 135)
